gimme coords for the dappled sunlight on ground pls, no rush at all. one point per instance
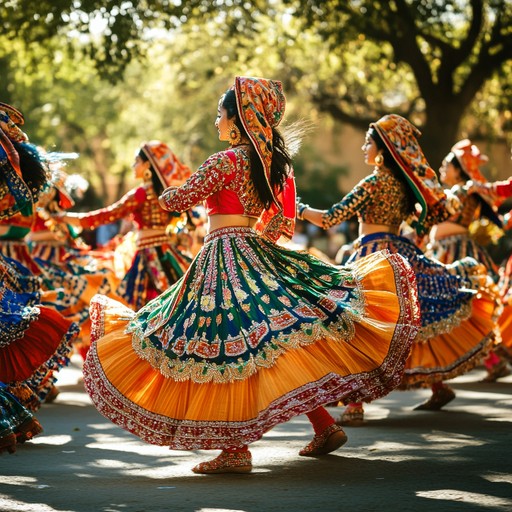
(399, 458)
(459, 496)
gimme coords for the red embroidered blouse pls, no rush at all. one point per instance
(223, 182)
(139, 203)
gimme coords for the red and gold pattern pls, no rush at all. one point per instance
(165, 163)
(470, 159)
(156, 262)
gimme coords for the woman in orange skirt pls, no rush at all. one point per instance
(457, 314)
(452, 239)
(253, 334)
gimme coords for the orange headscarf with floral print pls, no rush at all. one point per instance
(470, 159)
(261, 105)
(401, 139)
(165, 162)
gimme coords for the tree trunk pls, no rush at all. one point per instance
(440, 131)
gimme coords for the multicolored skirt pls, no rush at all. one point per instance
(446, 249)
(36, 340)
(457, 317)
(17, 424)
(456, 247)
(157, 264)
(252, 335)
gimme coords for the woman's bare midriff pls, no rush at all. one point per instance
(446, 229)
(45, 236)
(219, 221)
(369, 229)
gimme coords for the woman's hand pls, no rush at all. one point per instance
(301, 208)
(73, 219)
(162, 200)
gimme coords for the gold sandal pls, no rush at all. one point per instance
(438, 399)
(497, 372)
(353, 416)
(329, 440)
(226, 462)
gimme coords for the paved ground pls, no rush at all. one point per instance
(458, 459)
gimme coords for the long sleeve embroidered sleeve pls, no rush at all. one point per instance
(210, 178)
(127, 205)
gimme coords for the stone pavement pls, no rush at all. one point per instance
(457, 459)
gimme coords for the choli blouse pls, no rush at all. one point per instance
(380, 198)
(223, 182)
(141, 204)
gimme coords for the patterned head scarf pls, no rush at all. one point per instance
(470, 159)
(57, 180)
(13, 118)
(261, 104)
(165, 162)
(401, 139)
(15, 194)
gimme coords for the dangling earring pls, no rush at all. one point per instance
(234, 134)
(147, 175)
(379, 160)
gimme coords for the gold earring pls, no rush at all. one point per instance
(147, 175)
(234, 134)
(379, 160)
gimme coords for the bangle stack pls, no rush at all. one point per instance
(301, 209)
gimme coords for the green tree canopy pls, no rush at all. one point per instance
(442, 64)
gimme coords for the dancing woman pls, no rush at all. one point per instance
(36, 339)
(451, 240)
(253, 334)
(456, 323)
(157, 262)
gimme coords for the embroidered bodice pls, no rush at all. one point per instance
(223, 182)
(141, 204)
(469, 206)
(380, 198)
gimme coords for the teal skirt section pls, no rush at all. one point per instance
(242, 301)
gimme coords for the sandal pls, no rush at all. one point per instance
(27, 430)
(438, 399)
(329, 440)
(353, 416)
(8, 443)
(226, 462)
(497, 372)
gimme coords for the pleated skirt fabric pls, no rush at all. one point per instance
(449, 248)
(152, 271)
(36, 340)
(252, 335)
(458, 316)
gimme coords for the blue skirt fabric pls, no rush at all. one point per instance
(445, 292)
